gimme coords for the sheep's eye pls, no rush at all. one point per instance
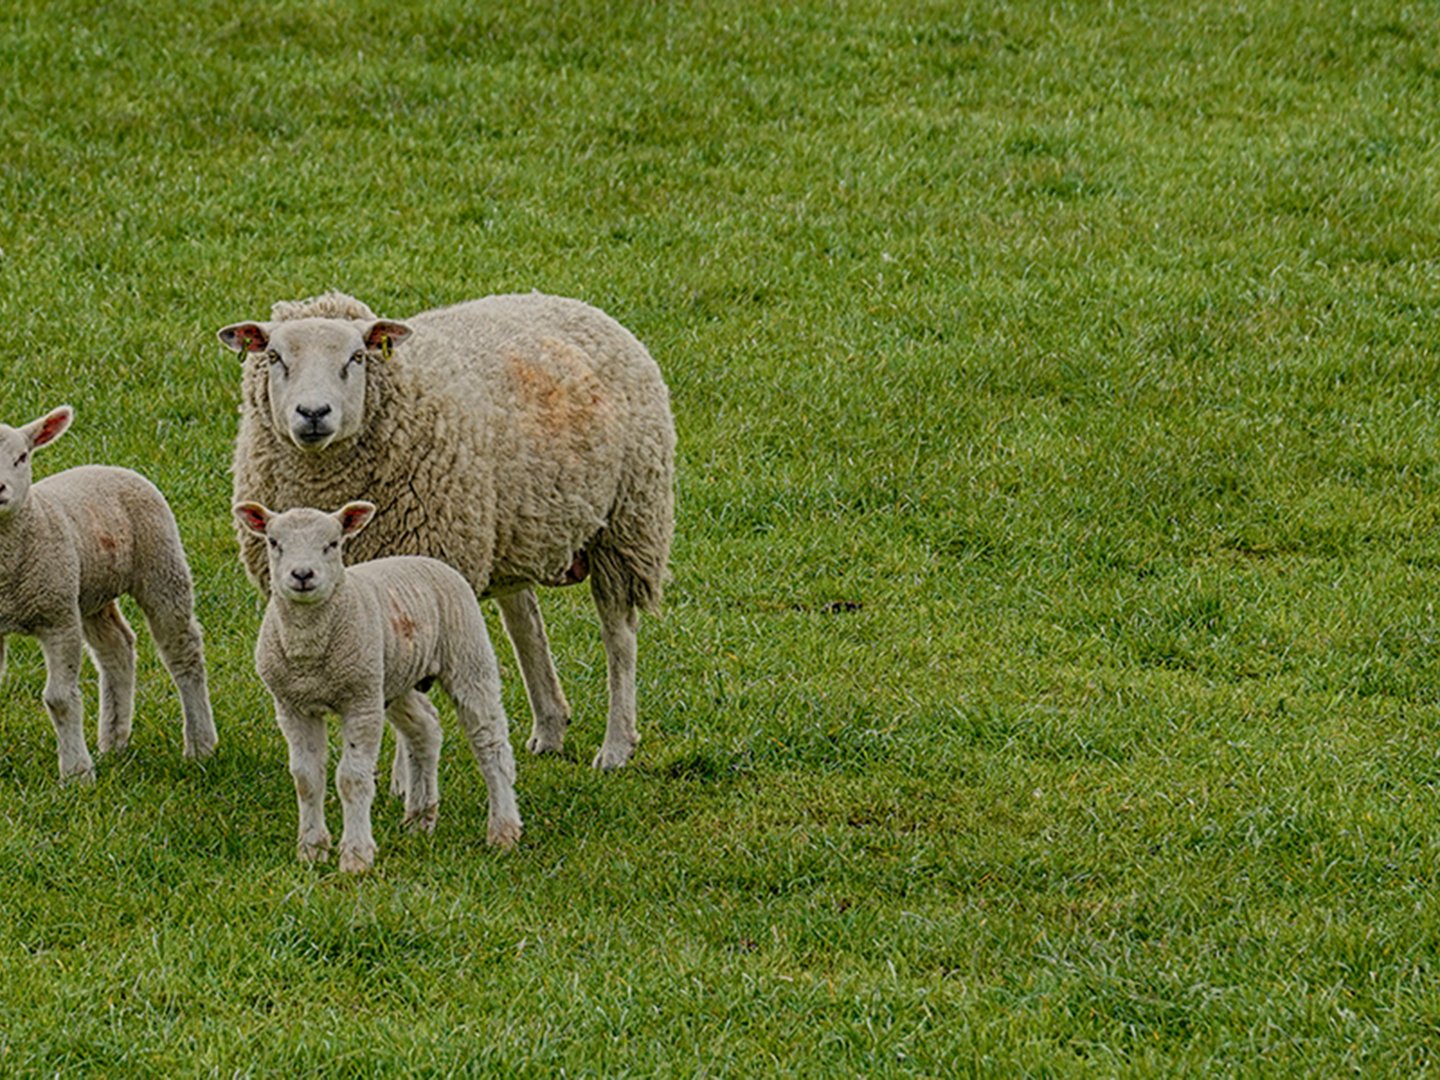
(331, 546)
(273, 542)
(272, 358)
(23, 458)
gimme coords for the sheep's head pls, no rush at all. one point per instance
(317, 372)
(306, 563)
(16, 445)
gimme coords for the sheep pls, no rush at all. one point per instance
(72, 544)
(524, 439)
(365, 643)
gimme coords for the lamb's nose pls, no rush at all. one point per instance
(313, 414)
(302, 575)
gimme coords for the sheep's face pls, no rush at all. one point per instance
(317, 372)
(16, 446)
(306, 563)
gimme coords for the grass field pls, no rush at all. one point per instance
(1048, 682)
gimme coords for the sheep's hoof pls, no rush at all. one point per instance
(83, 776)
(315, 850)
(357, 860)
(544, 743)
(114, 743)
(504, 834)
(612, 757)
(398, 787)
(422, 820)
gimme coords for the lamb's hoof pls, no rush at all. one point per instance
(83, 776)
(398, 787)
(114, 744)
(504, 834)
(357, 860)
(422, 820)
(545, 744)
(612, 757)
(316, 849)
(200, 748)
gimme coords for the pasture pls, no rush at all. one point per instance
(1048, 678)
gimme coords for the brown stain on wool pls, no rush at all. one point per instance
(404, 625)
(558, 389)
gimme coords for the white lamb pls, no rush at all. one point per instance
(366, 643)
(525, 440)
(69, 546)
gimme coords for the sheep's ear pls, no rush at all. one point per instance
(49, 427)
(252, 517)
(353, 517)
(246, 337)
(382, 336)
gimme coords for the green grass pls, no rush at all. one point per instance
(1048, 680)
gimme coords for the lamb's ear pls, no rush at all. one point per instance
(383, 335)
(246, 337)
(252, 517)
(353, 517)
(49, 427)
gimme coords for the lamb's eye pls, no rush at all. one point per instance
(331, 546)
(23, 458)
(273, 542)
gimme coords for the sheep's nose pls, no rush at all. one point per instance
(313, 414)
(302, 575)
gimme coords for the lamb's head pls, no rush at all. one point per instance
(317, 372)
(16, 445)
(306, 563)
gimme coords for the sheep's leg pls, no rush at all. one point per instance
(361, 732)
(400, 767)
(112, 647)
(521, 614)
(63, 648)
(475, 689)
(417, 730)
(305, 736)
(181, 647)
(619, 628)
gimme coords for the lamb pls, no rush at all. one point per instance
(525, 440)
(366, 643)
(69, 546)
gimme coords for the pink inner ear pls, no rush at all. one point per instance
(51, 427)
(252, 518)
(383, 332)
(251, 337)
(353, 518)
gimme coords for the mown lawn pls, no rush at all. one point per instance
(1048, 678)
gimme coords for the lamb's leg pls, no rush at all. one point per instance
(361, 731)
(305, 736)
(63, 648)
(181, 647)
(475, 689)
(619, 627)
(521, 614)
(417, 730)
(400, 767)
(112, 647)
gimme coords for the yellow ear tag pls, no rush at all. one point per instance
(385, 349)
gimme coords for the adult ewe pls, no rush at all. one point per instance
(525, 440)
